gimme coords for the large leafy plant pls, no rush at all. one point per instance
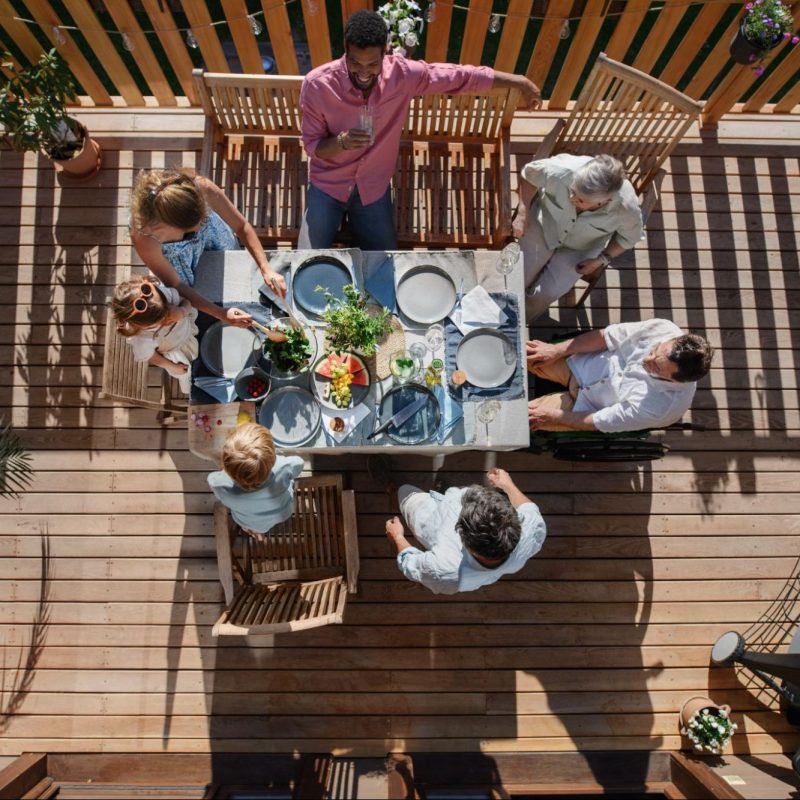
(33, 107)
(352, 323)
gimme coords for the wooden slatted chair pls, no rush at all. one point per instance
(252, 147)
(300, 575)
(127, 380)
(452, 185)
(630, 115)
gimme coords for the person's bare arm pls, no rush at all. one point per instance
(531, 95)
(542, 417)
(219, 202)
(149, 251)
(396, 534)
(500, 479)
(538, 352)
(527, 192)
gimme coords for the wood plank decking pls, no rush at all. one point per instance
(594, 646)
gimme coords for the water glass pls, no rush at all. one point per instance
(404, 366)
(487, 412)
(434, 337)
(418, 351)
(509, 256)
(366, 121)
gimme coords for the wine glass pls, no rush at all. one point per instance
(418, 351)
(509, 256)
(434, 337)
(487, 411)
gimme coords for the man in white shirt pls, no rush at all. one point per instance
(625, 377)
(473, 536)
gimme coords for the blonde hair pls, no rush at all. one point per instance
(170, 196)
(248, 455)
(129, 324)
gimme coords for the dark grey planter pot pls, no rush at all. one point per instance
(743, 51)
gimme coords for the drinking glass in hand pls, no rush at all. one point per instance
(434, 337)
(509, 256)
(366, 121)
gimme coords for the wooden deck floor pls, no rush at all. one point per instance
(594, 646)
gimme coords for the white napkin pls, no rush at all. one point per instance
(477, 310)
(351, 417)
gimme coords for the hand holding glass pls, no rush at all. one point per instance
(366, 121)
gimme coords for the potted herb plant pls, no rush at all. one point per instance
(353, 324)
(764, 25)
(707, 725)
(33, 113)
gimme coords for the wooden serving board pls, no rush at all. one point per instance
(222, 418)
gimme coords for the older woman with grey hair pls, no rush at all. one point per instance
(575, 214)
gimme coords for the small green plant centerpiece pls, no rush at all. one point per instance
(33, 113)
(708, 727)
(292, 356)
(765, 24)
(354, 324)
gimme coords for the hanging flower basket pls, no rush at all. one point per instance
(404, 21)
(765, 24)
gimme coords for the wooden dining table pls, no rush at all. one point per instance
(232, 278)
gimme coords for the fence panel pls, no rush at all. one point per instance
(168, 74)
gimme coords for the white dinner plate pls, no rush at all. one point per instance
(227, 350)
(426, 294)
(487, 357)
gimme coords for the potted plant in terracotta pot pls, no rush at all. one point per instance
(33, 113)
(765, 24)
(707, 725)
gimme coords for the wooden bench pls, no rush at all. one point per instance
(452, 186)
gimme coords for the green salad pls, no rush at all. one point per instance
(293, 354)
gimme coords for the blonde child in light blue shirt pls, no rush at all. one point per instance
(254, 483)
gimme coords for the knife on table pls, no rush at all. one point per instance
(401, 417)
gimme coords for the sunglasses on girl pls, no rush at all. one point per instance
(147, 291)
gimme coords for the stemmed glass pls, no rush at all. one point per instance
(434, 338)
(487, 411)
(418, 351)
(509, 256)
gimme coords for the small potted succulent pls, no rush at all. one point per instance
(33, 113)
(707, 725)
(764, 25)
(404, 20)
(354, 324)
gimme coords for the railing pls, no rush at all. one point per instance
(141, 52)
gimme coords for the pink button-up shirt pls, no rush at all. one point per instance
(331, 104)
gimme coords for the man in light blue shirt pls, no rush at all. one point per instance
(473, 536)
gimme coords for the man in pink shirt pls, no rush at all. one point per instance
(351, 167)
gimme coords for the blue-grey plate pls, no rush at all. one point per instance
(325, 271)
(292, 415)
(227, 350)
(422, 426)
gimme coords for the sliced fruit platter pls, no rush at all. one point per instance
(341, 380)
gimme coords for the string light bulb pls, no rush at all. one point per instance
(494, 23)
(430, 12)
(565, 30)
(127, 42)
(191, 39)
(312, 7)
(58, 35)
(255, 25)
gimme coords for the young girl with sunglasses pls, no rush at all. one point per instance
(175, 218)
(160, 326)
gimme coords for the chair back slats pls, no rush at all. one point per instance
(462, 117)
(630, 115)
(258, 105)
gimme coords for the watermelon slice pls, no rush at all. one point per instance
(355, 366)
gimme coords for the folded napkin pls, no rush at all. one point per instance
(477, 310)
(221, 389)
(351, 416)
(380, 284)
(452, 412)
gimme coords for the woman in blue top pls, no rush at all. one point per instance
(175, 218)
